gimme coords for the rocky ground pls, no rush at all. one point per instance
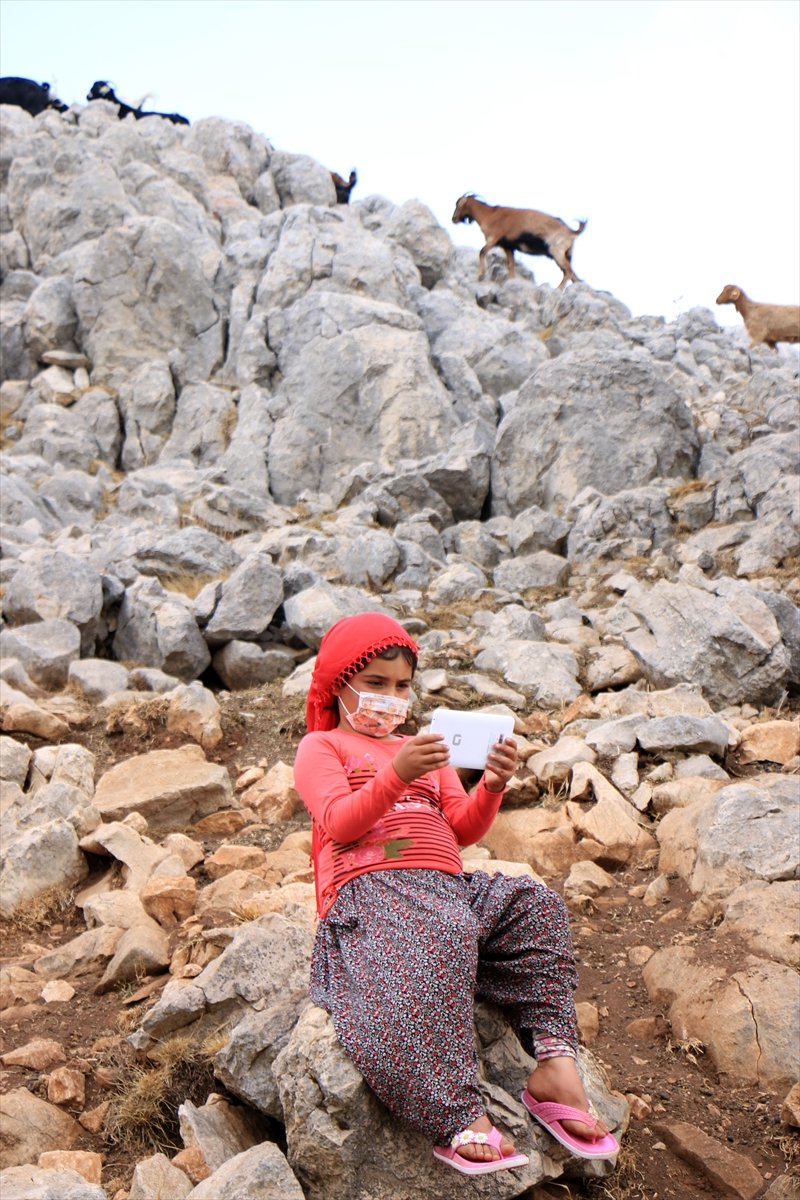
(674, 1088)
(233, 411)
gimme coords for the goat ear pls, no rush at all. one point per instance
(736, 293)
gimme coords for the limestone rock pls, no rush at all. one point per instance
(770, 741)
(170, 788)
(15, 759)
(730, 646)
(87, 1163)
(42, 1183)
(740, 1018)
(274, 796)
(158, 629)
(790, 1109)
(142, 950)
(66, 1086)
(610, 822)
(734, 1173)
(750, 832)
(169, 899)
(554, 764)
(39, 1055)
(575, 423)
(57, 586)
(155, 1177)
(194, 710)
(219, 1129)
(260, 1173)
(706, 735)
(82, 955)
(764, 916)
(27, 716)
(45, 649)
(43, 858)
(31, 1126)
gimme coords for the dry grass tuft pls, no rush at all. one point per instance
(243, 911)
(188, 584)
(555, 794)
(627, 1182)
(688, 487)
(44, 909)
(128, 1019)
(789, 1145)
(144, 716)
(144, 1114)
(691, 1047)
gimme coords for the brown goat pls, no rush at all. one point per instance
(768, 323)
(522, 229)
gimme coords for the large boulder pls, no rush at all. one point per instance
(57, 586)
(158, 629)
(170, 788)
(750, 832)
(278, 1041)
(730, 646)
(609, 420)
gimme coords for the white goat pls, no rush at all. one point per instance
(768, 323)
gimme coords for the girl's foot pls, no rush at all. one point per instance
(557, 1080)
(480, 1151)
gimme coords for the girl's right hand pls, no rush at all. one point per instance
(423, 753)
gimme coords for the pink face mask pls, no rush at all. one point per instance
(375, 714)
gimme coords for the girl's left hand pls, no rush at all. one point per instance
(501, 763)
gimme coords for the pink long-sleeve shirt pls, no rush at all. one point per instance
(366, 818)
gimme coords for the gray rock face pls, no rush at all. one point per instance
(362, 388)
(751, 832)
(41, 858)
(158, 629)
(730, 646)
(261, 1173)
(414, 227)
(246, 665)
(44, 648)
(622, 526)
(57, 586)
(703, 734)
(608, 421)
(250, 597)
(167, 300)
(37, 1183)
(268, 344)
(545, 673)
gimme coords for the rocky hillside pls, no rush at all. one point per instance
(233, 411)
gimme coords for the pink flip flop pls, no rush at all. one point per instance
(450, 1155)
(550, 1117)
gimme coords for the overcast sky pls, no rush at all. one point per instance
(672, 125)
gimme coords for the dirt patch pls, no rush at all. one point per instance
(676, 1080)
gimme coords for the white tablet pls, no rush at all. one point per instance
(470, 735)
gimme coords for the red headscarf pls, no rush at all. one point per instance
(346, 648)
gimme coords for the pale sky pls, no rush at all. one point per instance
(672, 125)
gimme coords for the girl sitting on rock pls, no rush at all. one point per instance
(407, 940)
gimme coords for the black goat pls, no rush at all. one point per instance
(344, 186)
(25, 93)
(100, 90)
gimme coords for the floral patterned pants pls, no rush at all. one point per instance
(401, 958)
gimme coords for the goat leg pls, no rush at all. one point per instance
(482, 262)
